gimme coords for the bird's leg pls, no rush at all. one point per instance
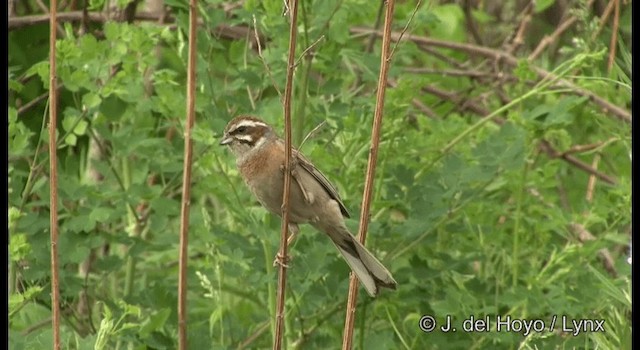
(283, 260)
(293, 232)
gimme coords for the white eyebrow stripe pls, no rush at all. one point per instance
(247, 138)
(249, 124)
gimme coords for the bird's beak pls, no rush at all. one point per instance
(226, 140)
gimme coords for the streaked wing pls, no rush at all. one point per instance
(331, 190)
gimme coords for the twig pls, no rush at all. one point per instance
(282, 254)
(591, 185)
(509, 59)
(603, 19)
(548, 39)
(553, 153)
(566, 156)
(457, 101)
(27, 106)
(311, 133)
(264, 62)
(417, 103)
(458, 73)
(256, 334)
(413, 14)
(372, 37)
(226, 31)
(186, 179)
(36, 326)
(525, 19)
(385, 60)
(461, 104)
(117, 176)
(45, 9)
(614, 35)
(562, 194)
(304, 53)
(471, 25)
(53, 175)
(605, 256)
(588, 147)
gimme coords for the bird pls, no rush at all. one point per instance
(260, 157)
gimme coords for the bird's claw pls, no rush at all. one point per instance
(281, 260)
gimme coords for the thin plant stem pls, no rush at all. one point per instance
(53, 174)
(515, 251)
(282, 254)
(186, 179)
(385, 58)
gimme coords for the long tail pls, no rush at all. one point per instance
(369, 270)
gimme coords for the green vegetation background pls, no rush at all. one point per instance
(473, 220)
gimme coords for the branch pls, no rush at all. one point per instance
(27, 106)
(603, 19)
(614, 35)
(264, 62)
(385, 58)
(226, 31)
(474, 74)
(553, 153)
(546, 146)
(292, 8)
(456, 100)
(548, 39)
(525, 19)
(53, 176)
(605, 256)
(186, 179)
(511, 60)
(404, 30)
(471, 25)
(591, 185)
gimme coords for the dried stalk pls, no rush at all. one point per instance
(282, 254)
(53, 173)
(186, 178)
(614, 35)
(385, 58)
(553, 153)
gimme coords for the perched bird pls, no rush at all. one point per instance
(260, 156)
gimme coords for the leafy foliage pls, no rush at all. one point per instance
(470, 215)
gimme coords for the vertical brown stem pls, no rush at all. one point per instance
(347, 339)
(282, 254)
(186, 179)
(53, 173)
(614, 35)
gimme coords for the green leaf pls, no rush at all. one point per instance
(40, 69)
(15, 85)
(19, 247)
(71, 140)
(541, 5)
(101, 214)
(155, 322)
(91, 100)
(81, 127)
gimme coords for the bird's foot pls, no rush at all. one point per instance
(281, 260)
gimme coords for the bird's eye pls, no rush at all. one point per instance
(241, 129)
